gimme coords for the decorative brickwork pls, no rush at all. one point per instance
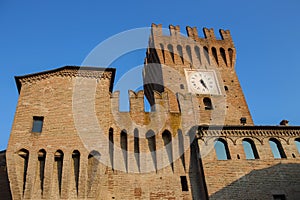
(87, 149)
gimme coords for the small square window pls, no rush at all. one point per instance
(184, 185)
(279, 197)
(37, 125)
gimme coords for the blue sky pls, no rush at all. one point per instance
(42, 35)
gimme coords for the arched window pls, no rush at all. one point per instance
(206, 54)
(124, 147)
(171, 50)
(197, 51)
(223, 55)
(222, 150)
(207, 103)
(167, 139)
(93, 163)
(276, 148)
(214, 53)
(297, 142)
(150, 136)
(226, 88)
(179, 50)
(181, 147)
(162, 51)
(42, 160)
(58, 159)
(76, 167)
(189, 53)
(230, 52)
(111, 146)
(137, 147)
(23, 159)
(250, 149)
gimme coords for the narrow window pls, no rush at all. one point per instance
(76, 167)
(214, 53)
(189, 53)
(181, 147)
(163, 52)
(197, 51)
(24, 157)
(58, 159)
(179, 49)
(167, 139)
(124, 147)
(37, 125)
(222, 150)
(223, 55)
(150, 136)
(207, 103)
(276, 148)
(93, 162)
(184, 185)
(226, 88)
(111, 147)
(42, 159)
(137, 147)
(297, 142)
(206, 54)
(170, 49)
(230, 52)
(250, 149)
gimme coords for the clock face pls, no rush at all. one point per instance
(203, 82)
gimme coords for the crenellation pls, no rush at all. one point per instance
(89, 149)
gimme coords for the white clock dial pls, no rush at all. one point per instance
(203, 82)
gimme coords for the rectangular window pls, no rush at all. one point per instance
(37, 125)
(184, 185)
(279, 197)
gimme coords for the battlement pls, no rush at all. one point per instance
(195, 51)
(192, 32)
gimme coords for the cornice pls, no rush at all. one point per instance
(68, 71)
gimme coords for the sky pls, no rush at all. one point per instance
(41, 35)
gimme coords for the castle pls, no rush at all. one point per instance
(70, 141)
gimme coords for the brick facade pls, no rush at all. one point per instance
(88, 149)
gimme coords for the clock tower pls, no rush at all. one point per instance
(201, 68)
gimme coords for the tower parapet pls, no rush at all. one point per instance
(194, 51)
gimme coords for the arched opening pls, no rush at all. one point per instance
(297, 143)
(150, 136)
(189, 53)
(276, 148)
(124, 147)
(111, 146)
(207, 103)
(214, 53)
(76, 167)
(179, 50)
(197, 51)
(250, 149)
(206, 54)
(23, 159)
(137, 147)
(93, 163)
(223, 55)
(58, 159)
(167, 139)
(230, 52)
(225, 88)
(222, 150)
(171, 50)
(163, 52)
(41, 168)
(181, 147)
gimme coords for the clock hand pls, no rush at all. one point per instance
(204, 85)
